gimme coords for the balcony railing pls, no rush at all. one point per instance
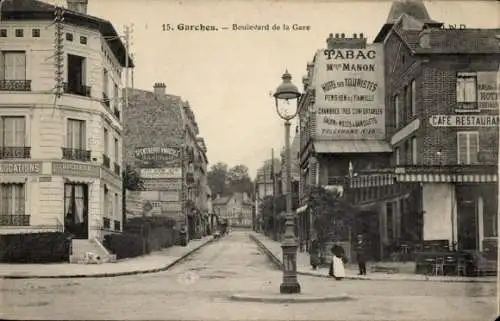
(14, 220)
(105, 161)
(76, 154)
(15, 85)
(80, 90)
(106, 223)
(116, 112)
(105, 99)
(117, 225)
(117, 169)
(9, 152)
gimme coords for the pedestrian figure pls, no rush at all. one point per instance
(314, 254)
(361, 254)
(338, 260)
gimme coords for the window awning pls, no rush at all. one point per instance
(352, 146)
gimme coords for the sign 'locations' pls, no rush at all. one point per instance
(166, 172)
(350, 93)
(464, 120)
(488, 90)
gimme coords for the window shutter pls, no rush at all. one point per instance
(20, 66)
(2, 65)
(460, 90)
(473, 148)
(83, 134)
(2, 129)
(462, 148)
(69, 134)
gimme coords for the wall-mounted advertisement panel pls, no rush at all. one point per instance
(488, 90)
(154, 157)
(349, 100)
(166, 172)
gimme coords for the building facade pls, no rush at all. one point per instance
(60, 120)
(162, 143)
(431, 173)
(443, 94)
(236, 208)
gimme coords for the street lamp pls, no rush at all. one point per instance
(287, 98)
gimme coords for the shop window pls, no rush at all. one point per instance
(467, 91)
(490, 218)
(390, 220)
(76, 209)
(467, 147)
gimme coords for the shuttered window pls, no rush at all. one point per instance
(467, 147)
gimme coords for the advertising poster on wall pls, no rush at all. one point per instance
(167, 172)
(488, 89)
(349, 102)
(154, 157)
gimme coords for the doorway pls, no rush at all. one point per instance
(76, 210)
(367, 224)
(467, 217)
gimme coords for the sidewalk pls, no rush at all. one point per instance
(273, 250)
(154, 262)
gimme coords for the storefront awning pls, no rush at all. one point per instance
(443, 178)
(352, 146)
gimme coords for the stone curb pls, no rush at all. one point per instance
(288, 298)
(108, 275)
(278, 263)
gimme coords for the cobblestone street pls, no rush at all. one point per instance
(200, 286)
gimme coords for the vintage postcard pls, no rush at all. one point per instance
(249, 160)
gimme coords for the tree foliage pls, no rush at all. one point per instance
(217, 179)
(333, 215)
(225, 181)
(131, 181)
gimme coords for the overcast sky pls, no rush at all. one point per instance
(227, 75)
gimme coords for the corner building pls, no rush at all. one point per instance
(60, 120)
(442, 91)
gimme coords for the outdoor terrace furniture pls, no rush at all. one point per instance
(444, 263)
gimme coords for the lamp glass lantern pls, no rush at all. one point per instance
(287, 99)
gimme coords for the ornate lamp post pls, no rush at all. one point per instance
(286, 98)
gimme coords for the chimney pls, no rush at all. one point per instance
(425, 38)
(159, 89)
(79, 6)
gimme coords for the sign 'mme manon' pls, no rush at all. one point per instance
(350, 93)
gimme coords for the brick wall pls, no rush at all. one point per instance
(435, 77)
(150, 123)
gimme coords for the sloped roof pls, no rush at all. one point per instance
(39, 10)
(414, 8)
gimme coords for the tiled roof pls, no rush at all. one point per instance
(39, 10)
(452, 41)
(414, 8)
(26, 5)
(462, 41)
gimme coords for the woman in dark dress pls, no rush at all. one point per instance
(314, 254)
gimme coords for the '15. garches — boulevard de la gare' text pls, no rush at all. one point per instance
(235, 27)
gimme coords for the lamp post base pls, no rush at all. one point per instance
(290, 288)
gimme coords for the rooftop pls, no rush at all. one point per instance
(39, 10)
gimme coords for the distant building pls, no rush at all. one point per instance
(162, 143)
(236, 208)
